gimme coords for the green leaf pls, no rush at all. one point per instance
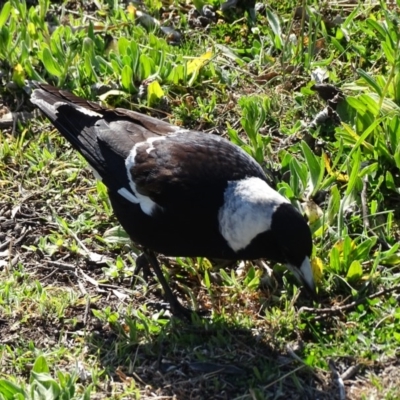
(315, 168)
(355, 271)
(389, 52)
(40, 365)
(390, 257)
(50, 63)
(378, 28)
(355, 169)
(199, 4)
(9, 390)
(298, 173)
(154, 93)
(127, 77)
(363, 249)
(390, 184)
(46, 385)
(370, 81)
(146, 64)
(116, 235)
(275, 25)
(333, 204)
(338, 46)
(372, 104)
(207, 281)
(334, 260)
(5, 12)
(123, 45)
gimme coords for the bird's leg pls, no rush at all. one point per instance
(176, 307)
(142, 264)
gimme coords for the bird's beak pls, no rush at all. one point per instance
(304, 274)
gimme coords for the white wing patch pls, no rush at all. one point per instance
(146, 203)
(248, 208)
(81, 109)
(124, 192)
(150, 142)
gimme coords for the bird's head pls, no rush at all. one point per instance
(257, 222)
(293, 237)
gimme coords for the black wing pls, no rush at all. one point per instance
(172, 166)
(190, 168)
(103, 136)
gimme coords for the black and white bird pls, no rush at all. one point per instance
(181, 192)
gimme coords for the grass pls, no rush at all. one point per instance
(75, 323)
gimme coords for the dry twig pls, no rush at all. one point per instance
(346, 307)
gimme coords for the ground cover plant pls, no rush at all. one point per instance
(312, 92)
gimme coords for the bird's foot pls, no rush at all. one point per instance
(179, 311)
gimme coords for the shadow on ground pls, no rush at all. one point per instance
(204, 360)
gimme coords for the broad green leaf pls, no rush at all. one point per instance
(154, 92)
(9, 390)
(145, 66)
(127, 77)
(50, 63)
(389, 52)
(229, 54)
(334, 260)
(369, 169)
(106, 67)
(88, 67)
(298, 175)
(123, 45)
(378, 28)
(333, 204)
(177, 74)
(390, 184)
(40, 365)
(361, 252)
(370, 81)
(338, 45)
(5, 12)
(46, 385)
(116, 235)
(357, 104)
(383, 255)
(314, 167)
(275, 25)
(135, 56)
(372, 105)
(355, 271)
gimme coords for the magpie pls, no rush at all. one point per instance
(181, 192)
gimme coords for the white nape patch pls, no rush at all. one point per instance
(81, 109)
(247, 211)
(146, 204)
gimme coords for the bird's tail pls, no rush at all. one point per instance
(73, 117)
